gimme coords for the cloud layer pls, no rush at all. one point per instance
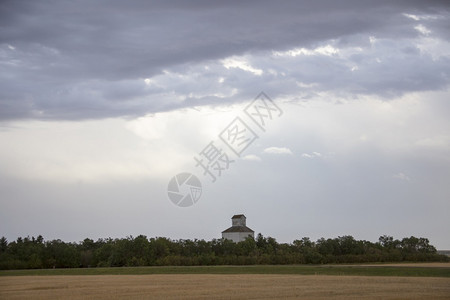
(97, 60)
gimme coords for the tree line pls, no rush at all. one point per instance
(35, 253)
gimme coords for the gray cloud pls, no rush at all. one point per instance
(78, 60)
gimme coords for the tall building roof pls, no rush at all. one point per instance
(238, 225)
(237, 216)
(238, 229)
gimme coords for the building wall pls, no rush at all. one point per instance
(237, 236)
(238, 222)
(244, 235)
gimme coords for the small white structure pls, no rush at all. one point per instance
(239, 231)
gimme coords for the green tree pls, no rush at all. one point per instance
(3, 244)
(247, 247)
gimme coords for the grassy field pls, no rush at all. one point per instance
(405, 270)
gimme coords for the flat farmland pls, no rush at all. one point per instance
(208, 286)
(401, 281)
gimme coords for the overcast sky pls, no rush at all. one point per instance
(102, 103)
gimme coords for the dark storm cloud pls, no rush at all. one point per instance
(85, 59)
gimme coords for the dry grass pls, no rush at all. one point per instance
(415, 264)
(200, 286)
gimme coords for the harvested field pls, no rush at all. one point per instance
(416, 264)
(207, 286)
